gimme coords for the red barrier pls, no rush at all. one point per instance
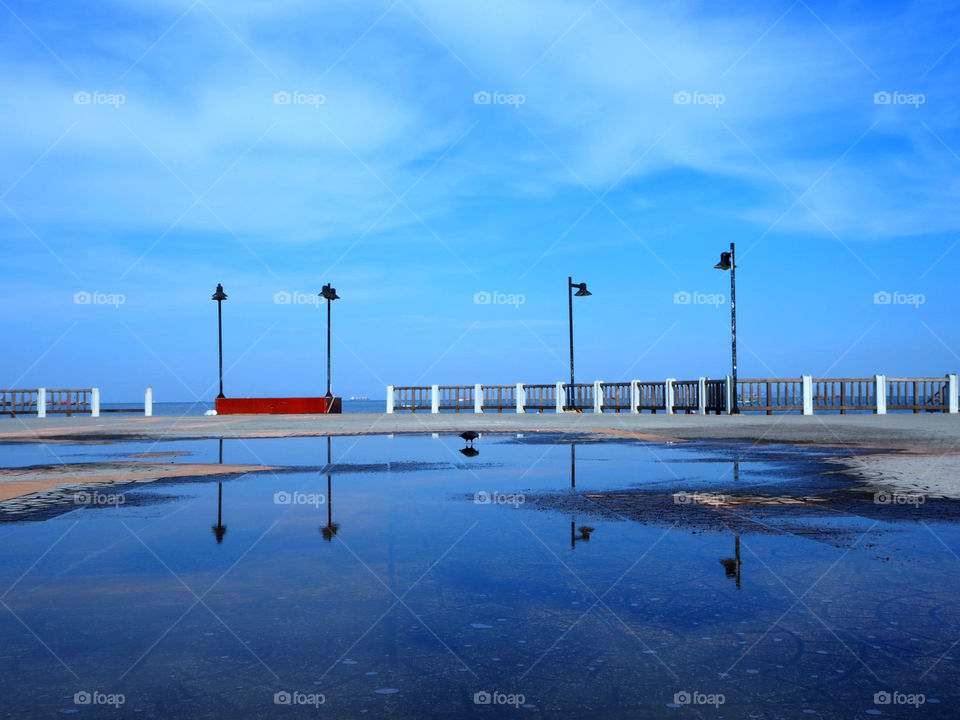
(277, 406)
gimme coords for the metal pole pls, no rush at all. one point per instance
(570, 307)
(220, 338)
(329, 394)
(573, 465)
(735, 409)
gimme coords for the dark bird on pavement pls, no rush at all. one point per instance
(469, 435)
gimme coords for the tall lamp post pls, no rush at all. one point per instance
(581, 292)
(329, 294)
(728, 261)
(220, 296)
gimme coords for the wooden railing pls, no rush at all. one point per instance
(770, 395)
(18, 402)
(499, 397)
(540, 397)
(843, 394)
(456, 397)
(616, 396)
(774, 395)
(652, 396)
(917, 394)
(413, 398)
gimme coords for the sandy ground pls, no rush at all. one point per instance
(913, 471)
(20, 482)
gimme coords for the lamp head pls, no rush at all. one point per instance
(329, 293)
(582, 292)
(219, 294)
(724, 263)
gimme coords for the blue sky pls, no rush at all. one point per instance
(385, 177)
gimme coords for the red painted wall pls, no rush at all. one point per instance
(276, 406)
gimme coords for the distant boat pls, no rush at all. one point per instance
(362, 397)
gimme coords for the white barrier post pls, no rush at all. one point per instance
(597, 397)
(148, 403)
(702, 397)
(95, 402)
(729, 392)
(478, 398)
(41, 402)
(954, 400)
(807, 382)
(521, 398)
(434, 399)
(881, 391)
(559, 397)
(634, 396)
(390, 399)
(668, 395)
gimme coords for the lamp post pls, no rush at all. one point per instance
(219, 530)
(728, 261)
(220, 296)
(329, 294)
(581, 292)
(329, 531)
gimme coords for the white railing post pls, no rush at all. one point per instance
(434, 399)
(148, 403)
(807, 383)
(521, 398)
(634, 396)
(702, 396)
(881, 392)
(559, 397)
(390, 399)
(597, 397)
(954, 399)
(41, 402)
(94, 402)
(478, 398)
(668, 395)
(729, 390)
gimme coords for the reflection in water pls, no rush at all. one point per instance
(329, 531)
(585, 530)
(219, 530)
(732, 565)
(469, 436)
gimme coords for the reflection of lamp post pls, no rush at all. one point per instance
(329, 294)
(732, 565)
(329, 531)
(728, 261)
(585, 530)
(219, 530)
(581, 292)
(220, 296)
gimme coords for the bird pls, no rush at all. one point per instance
(469, 435)
(470, 452)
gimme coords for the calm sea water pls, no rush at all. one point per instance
(405, 580)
